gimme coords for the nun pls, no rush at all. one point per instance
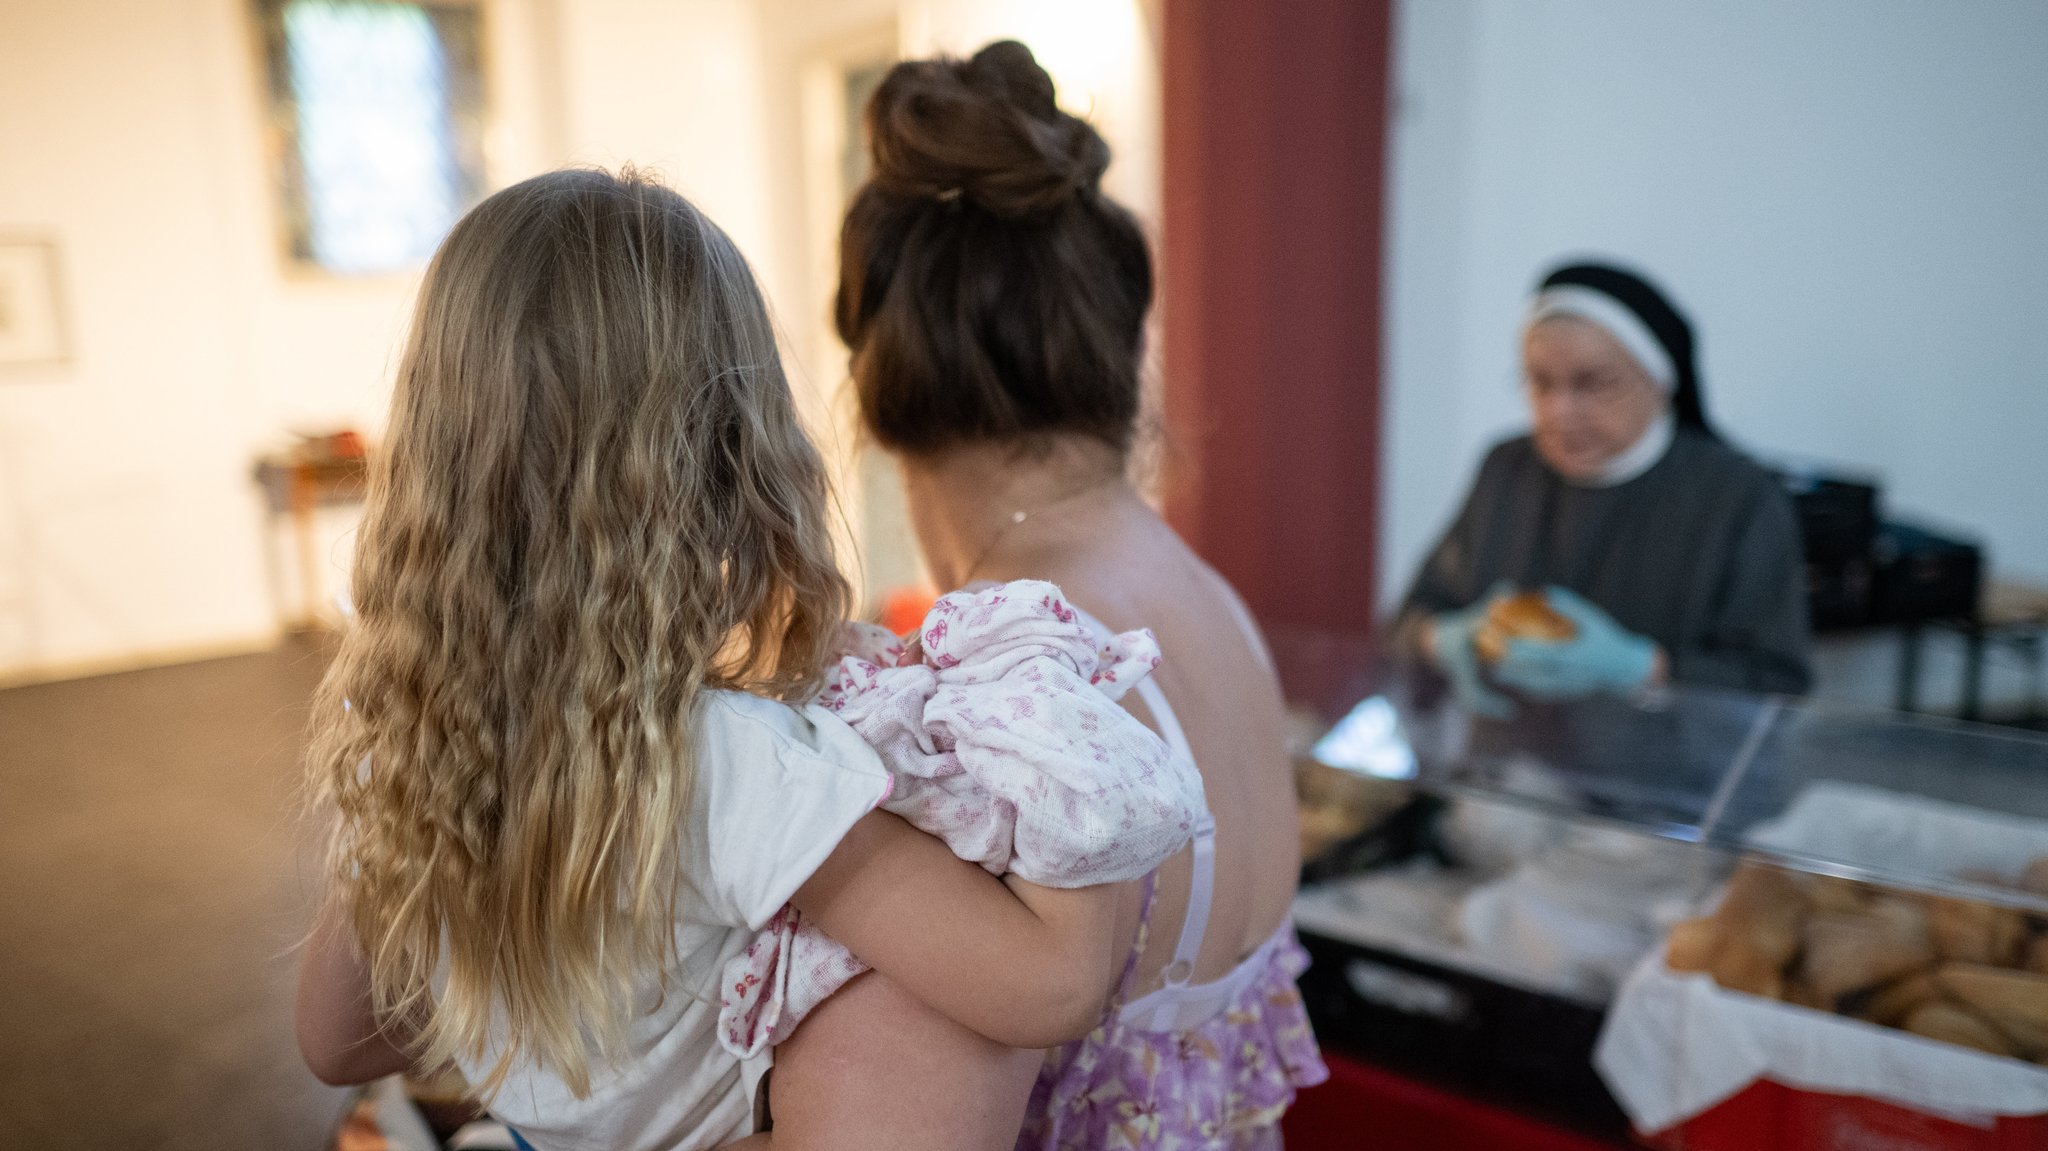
(1675, 557)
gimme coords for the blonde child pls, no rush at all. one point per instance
(564, 748)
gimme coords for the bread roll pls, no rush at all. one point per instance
(2037, 955)
(1828, 893)
(2035, 877)
(1803, 994)
(1740, 965)
(1970, 932)
(1320, 785)
(2029, 1039)
(2019, 998)
(1847, 952)
(1693, 945)
(1747, 942)
(1764, 906)
(1323, 827)
(1894, 1002)
(1952, 1024)
(1335, 805)
(1904, 912)
(1524, 616)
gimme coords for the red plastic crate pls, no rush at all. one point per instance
(1767, 1116)
(1367, 1108)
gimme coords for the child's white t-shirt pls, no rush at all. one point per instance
(776, 789)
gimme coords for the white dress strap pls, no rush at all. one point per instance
(1202, 872)
(1201, 892)
(1169, 723)
(1170, 1009)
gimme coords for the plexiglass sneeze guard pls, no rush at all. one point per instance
(1903, 800)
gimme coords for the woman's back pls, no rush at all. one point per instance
(995, 304)
(1128, 568)
(1215, 1048)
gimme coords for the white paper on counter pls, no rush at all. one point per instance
(1866, 826)
(1577, 916)
(1411, 910)
(1677, 1044)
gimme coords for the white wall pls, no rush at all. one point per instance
(1844, 194)
(131, 132)
(129, 528)
(674, 85)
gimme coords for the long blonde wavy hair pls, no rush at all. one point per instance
(594, 501)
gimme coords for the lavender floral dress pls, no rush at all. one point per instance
(1221, 1084)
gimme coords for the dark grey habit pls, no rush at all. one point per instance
(1700, 553)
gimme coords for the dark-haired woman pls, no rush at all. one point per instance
(1674, 556)
(995, 303)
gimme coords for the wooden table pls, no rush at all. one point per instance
(297, 487)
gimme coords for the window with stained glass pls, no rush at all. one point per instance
(376, 111)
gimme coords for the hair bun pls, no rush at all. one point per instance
(986, 129)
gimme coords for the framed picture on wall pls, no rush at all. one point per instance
(31, 312)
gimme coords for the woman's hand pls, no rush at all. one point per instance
(1449, 640)
(1601, 656)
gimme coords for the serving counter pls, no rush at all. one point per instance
(1696, 918)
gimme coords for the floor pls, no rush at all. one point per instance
(153, 881)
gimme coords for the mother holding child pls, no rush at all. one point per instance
(624, 814)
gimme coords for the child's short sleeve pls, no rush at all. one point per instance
(776, 788)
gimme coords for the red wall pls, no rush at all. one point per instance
(1275, 153)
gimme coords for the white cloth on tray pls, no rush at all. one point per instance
(1677, 1044)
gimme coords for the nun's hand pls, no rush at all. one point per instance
(1602, 656)
(1451, 636)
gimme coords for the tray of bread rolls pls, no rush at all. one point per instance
(1958, 970)
(1958, 953)
(1930, 994)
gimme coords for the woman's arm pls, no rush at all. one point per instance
(875, 1068)
(340, 1036)
(1019, 964)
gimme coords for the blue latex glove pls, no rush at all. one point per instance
(1602, 657)
(1451, 636)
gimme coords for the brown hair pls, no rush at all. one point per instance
(594, 500)
(987, 289)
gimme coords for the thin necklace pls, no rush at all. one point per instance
(1017, 518)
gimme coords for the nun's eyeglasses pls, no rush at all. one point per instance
(1591, 387)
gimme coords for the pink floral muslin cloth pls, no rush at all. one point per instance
(1005, 740)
